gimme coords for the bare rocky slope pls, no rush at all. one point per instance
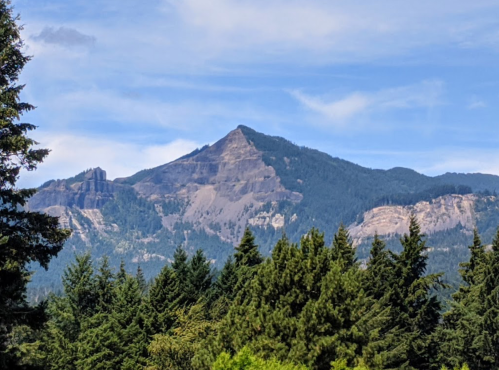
(207, 198)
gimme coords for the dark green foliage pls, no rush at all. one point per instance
(406, 199)
(342, 250)
(247, 253)
(141, 280)
(25, 237)
(160, 301)
(131, 213)
(301, 306)
(227, 280)
(416, 311)
(105, 286)
(199, 278)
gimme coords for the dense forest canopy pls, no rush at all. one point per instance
(310, 305)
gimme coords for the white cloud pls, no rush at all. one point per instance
(476, 103)
(341, 111)
(72, 154)
(315, 30)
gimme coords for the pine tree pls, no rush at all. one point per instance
(343, 250)
(300, 306)
(247, 253)
(121, 275)
(27, 237)
(416, 311)
(105, 286)
(379, 273)
(79, 286)
(141, 280)
(487, 343)
(160, 303)
(199, 278)
(226, 282)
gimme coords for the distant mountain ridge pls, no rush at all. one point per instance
(206, 198)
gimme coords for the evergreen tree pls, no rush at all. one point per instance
(26, 236)
(342, 250)
(105, 286)
(121, 275)
(227, 280)
(416, 311)
(141, 280)
(487, 342)
(301, 306)
(81, 297)
(199, 278)
(247, 253)
(161, 300)
(379, 273)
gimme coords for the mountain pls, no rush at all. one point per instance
(206, 198)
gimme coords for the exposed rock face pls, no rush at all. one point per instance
(91, 193)
(440, 214)
(224, 184)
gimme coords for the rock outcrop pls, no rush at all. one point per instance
(92, 192)
(440, 214)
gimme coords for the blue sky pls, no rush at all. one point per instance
(127, 85)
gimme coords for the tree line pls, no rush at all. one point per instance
(307, 306)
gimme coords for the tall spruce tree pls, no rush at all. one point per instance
(105, 286)
(161, 301)
(199, 278)
(27, 237)
(141, 280)
(247, 253)
(342, 250)
(416, 310)
(487, 342)
(462, 324)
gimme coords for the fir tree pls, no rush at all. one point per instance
(161, 299)
(141, 280)
(416, 311)
(227, 280)
(343, 250)
(26, 237)
(247, 253)
(379, 272)
(199, 278)
(301, 306)
(105, 286)
(121, 275)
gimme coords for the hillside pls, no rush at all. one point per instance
(206, 198)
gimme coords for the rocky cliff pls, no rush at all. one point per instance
(206, 199)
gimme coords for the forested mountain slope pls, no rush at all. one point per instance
(206, 198)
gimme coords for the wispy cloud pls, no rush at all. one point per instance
(341, 111)
(65, 36)
(476, 103)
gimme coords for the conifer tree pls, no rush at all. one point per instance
(379, 272)
(247, 253)
(141, 280)
(199, 278)
(121, 275)
(81, 297)
(416, 311)
(227, 280)
(105, 286)
(487, 342)
(161, 299)
(27, 237)
(461, 328)
(301, 306)
(343, 250)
